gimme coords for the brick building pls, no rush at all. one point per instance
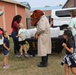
(10, 9)
(70, 4)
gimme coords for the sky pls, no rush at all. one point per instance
(43, 3)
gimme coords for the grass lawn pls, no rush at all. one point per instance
(28, 66)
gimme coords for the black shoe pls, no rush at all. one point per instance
(40, 62)
(42, 65)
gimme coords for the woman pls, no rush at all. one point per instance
(16, 20)
(43, 35)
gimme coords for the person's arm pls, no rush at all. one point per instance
(71, 25)
(4, 45)
(41, 27)
(71, 49)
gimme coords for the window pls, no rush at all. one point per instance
(63, 13)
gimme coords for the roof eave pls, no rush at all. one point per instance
(65, 3)
(15, 2)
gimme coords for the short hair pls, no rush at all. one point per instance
(73, 12)
(68, 33)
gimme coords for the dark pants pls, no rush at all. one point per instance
(1, 48)
(44, 59)
(15, 41)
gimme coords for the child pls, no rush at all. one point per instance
(70, 58)
(22, 36)
(6, 48)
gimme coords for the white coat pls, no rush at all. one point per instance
(44, 40)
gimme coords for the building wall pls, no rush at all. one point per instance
(1, 17)
(28, 25)
(47, 12)
(10, 10)
(27, 13)
(70, 3)
(21, 11)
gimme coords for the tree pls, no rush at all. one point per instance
(60, 5)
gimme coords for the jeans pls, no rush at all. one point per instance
(15, 41)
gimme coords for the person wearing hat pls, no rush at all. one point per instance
(43, 35)
(69, 59)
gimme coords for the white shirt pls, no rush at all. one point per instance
(22, 32)
(1, 40)
(72, 24)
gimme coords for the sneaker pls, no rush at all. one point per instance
(22, 56)
(16, 55)
(26, 55)
(6, 67)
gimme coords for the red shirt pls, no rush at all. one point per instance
(15, 26)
